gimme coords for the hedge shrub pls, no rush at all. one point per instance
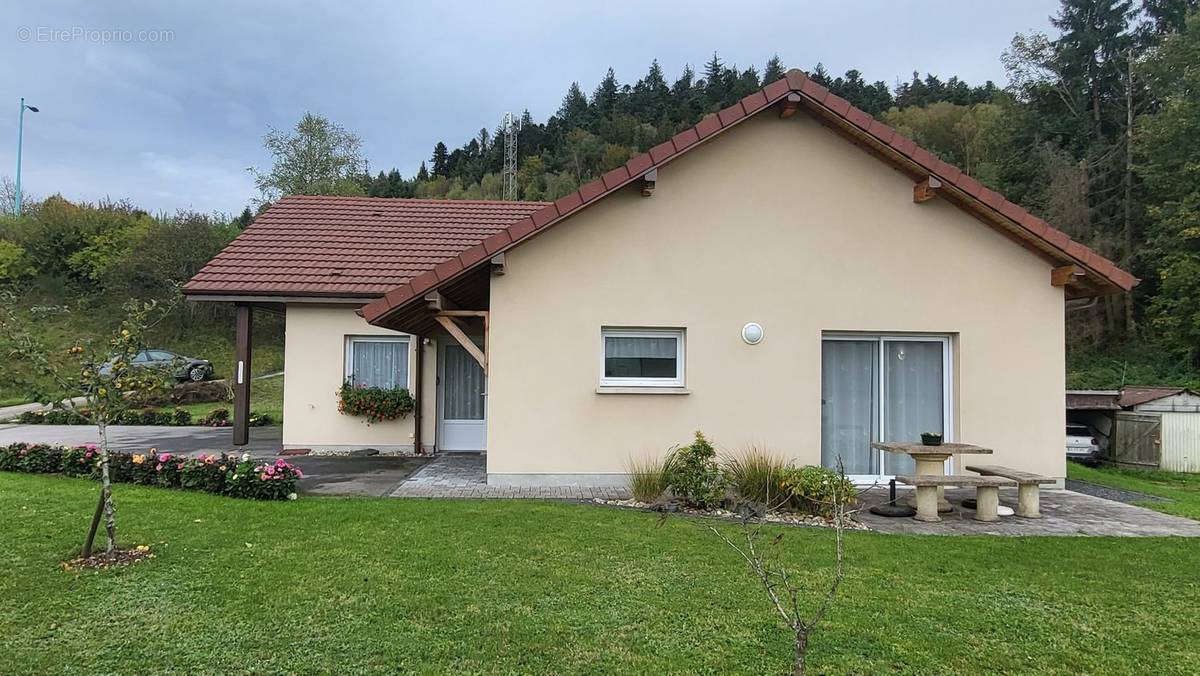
(177, 417)
(222, 474)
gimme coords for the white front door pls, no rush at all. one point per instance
(463, 403)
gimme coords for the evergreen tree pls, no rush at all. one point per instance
(714, 83)
(244, 219)
(574, 109)
(1168, 16)
(422, 173)
(773, 71)
(604, 101)
(441, 160)
(1092, 55)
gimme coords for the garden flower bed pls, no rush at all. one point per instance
(223, 474)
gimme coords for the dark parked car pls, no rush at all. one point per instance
(183, 368)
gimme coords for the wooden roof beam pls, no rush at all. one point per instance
(790, 105)
(926, 189)
(1066, 274)
(452, 327)
(649, 179)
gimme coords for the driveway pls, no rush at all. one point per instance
(323, 475)
(264, 441)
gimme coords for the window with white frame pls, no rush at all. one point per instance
(377, 361)
(642, 357)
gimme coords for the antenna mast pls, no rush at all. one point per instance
(511, 126)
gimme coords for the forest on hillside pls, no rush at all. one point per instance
(1095, 131)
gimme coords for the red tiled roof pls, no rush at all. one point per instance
(884, 141)
(352, 247)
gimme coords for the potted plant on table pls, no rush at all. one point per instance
(931, 438)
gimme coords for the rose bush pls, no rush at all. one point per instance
(263, 481)
(221, 474)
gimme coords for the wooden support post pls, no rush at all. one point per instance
(1065, 275)
(241, 376)
(419, 394)
(448, 322)
(926, 189)
(790, 105)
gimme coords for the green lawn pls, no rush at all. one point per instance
(1182, 489)
(350, 585)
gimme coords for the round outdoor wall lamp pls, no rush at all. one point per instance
(752, 333)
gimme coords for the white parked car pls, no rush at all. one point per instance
(1081, 443)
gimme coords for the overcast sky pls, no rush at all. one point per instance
(169, 108)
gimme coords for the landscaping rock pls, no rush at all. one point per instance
(776, 517)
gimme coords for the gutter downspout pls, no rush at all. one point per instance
(419, 384)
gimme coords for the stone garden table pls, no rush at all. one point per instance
(931, 460)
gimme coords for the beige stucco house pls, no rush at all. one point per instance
(789, 273)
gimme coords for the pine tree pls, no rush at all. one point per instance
(422, 173)
(604, 101)
(574, 109)
(245, 219)
(1092, 52)
(773, 71)
(441, 160)
(714, 82)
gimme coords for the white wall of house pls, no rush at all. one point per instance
(783, 223)
(315, 367)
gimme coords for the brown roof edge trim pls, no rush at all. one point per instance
(971, 192)
(587, 194)
(890, 143)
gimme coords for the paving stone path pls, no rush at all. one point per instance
(464, 475)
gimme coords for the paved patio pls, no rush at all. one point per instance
(464, 475)
(1063, 513)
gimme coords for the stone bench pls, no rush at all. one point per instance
(1028, 487)
(987, 493)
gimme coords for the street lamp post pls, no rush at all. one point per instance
(20, 136)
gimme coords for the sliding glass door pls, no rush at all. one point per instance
(881, 388)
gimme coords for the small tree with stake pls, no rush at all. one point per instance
(105, 379)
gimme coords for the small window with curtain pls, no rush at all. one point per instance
(642, 357)
(377, 361)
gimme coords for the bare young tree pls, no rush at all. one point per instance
(792, 598)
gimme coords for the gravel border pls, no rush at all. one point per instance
(1110, 493)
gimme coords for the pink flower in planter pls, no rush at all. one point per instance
(88, 455)
(299, 474)
(270, 471)
(158, 467)
(91, 447)
(164, 457)
(262, 477)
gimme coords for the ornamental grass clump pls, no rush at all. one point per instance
(649, 477)
(756, 474)
(376, 404)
